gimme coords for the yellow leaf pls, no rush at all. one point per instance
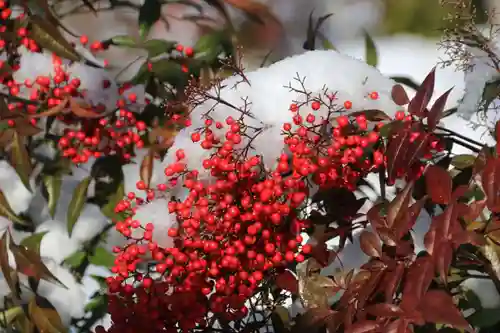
(45, 316)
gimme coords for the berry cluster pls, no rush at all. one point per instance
(243, 227)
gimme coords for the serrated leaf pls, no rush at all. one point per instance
(20, 159)
(49, 37)
(149, 13)
(6, 211)
(371, 51)
(102, 257)
(45, 316)
(77, 203)
(33, 242)
(52, 184)
(75, 259)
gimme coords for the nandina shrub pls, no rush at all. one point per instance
(238, 249)
(240, 231)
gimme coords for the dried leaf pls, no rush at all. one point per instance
(33, 242)
(77, 203)
(20, 159)
(10, 275)
(146, 171)
(437, 306)
(82, 112)
(53, 111)
(6, 211)
(52, 184)
(436, 111)
(45, 316)
(399, 95)
(49, 37)
(439, 184)
(370, 244)
(287, 281)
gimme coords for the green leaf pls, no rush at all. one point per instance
(102, 257)
(123, 40)
(20, 159)
(97, 302)
(463, 161)
(149, 13)
(6, 211)
(484, 317)
(371, 51)
(156, 47)
(169, 71)
(49, 37)
(52, 184)
(210, 46)
(33, 242)
(406, 81)
(77, 203)
(142, 75)
(109, 209)
(75, 259)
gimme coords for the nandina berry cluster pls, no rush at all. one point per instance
(244, 225)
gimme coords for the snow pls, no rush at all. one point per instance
(270, 99)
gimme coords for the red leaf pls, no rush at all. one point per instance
(399, 206)
(418, 279)
(386, 310)
(430, 240)
(443, 257)
(423, 96)
(413, 214)
(437, 109)
(497, 137)
(363, 327)
(490, 179)
(439, 184)
(370, 244)
(438, 307)
(475, 209)
(392, 280)
(396, 153)
(287, 281)
(468, 237)
(397, 326)
(399, 95)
